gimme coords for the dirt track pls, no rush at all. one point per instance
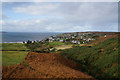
(44, 65)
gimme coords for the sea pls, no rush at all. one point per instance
(19, 37)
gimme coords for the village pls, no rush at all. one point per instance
(72, 38)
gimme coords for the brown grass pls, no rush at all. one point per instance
(44, 65)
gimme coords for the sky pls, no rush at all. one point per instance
(59, 16)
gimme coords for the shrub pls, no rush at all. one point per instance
(38, 47)
(94, 60)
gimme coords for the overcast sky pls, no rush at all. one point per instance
(59, 16)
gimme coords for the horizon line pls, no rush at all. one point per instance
(62, 32)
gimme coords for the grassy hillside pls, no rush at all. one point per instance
(99, 60)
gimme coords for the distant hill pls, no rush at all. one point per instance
(93, 32)
(3, 32)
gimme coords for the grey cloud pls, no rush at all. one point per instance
(70, 16)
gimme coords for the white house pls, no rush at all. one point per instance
(73, 37)
(74, 41)
(89, 39)
(81, 37)
(61, 40)
(105, 36)
(78, 42)
(50, 37)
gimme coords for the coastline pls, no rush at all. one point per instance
(11, 42)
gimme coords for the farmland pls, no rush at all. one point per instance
(13, 47)
(13, 53)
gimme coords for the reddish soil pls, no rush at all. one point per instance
(44, 65)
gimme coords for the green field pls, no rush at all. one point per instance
(13, 53)
(13, 57)
(13, 47)
(56, 43)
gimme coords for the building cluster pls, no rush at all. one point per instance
(74, 38)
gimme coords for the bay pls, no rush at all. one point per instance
(17, 37)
